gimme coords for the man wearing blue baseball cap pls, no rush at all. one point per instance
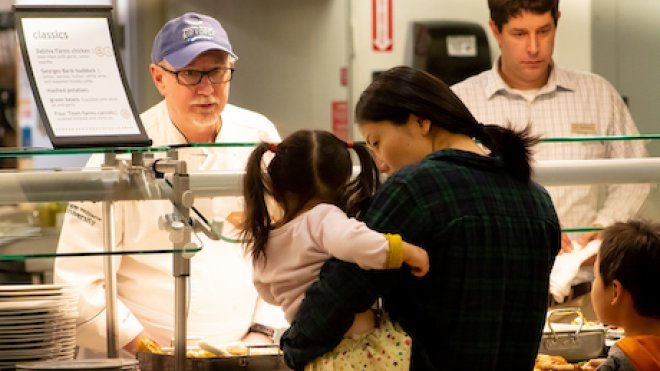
(192, 66)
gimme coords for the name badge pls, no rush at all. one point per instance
(581, 128)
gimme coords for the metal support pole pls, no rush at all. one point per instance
(110, 281)
(182, 271)
(180, 235)
(108, 270)
(181, 267)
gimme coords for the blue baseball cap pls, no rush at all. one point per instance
(182, 39)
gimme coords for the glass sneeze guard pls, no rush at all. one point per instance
(38, 192)
(116, 184)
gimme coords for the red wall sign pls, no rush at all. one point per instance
(381, 25)
(340, 119)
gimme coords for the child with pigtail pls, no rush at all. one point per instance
(310, 180)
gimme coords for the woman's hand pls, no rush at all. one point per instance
(417, 258)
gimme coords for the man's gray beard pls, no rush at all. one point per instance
(207, 124)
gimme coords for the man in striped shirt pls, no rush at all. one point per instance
(525, 86)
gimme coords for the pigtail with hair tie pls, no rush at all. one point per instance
(272, 147)
(479, 130)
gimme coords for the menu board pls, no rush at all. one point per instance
(76, 77)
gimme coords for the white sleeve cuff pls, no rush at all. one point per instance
(269, 315)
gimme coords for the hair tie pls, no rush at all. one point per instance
(349, 144)
(479, 130)
(272, 147)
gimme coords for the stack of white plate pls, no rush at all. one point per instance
(82, 365)
(37, 322)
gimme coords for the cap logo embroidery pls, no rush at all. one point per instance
(194, 33)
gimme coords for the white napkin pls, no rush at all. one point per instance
(566, 269)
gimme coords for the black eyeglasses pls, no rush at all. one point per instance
(219, 75)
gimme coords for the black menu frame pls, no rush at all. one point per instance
(110, 139)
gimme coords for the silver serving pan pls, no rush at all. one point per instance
(575, 345)
(164, 362)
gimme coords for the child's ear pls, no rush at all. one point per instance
(617, 293)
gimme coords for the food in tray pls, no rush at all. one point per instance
(193, 352)
(200, 353)
(546, 362)
(149, 346)
(206, 350)
(227, 350)
(240, 349)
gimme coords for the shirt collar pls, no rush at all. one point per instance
(465, 157)
(558, 80)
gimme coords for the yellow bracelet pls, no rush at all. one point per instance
(395, 251)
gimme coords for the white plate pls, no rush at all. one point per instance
(56, 311)
(26, 312)
(32, 317)
(28, 304)
(82, 364)
(55, 314)
(54, 292)
(17, 340)
(57, 293)
(28, 337)
(49, 325)
(53, 286)
(20, 307)
(37, 328)
(38, 295)
(54, 343)
(26, 353)
(26, 342)
(8, 320)
(46, 307)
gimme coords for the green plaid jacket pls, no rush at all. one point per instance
(491, 241)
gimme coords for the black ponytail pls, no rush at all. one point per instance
(513, 147)
(357, 194)
(256, 223)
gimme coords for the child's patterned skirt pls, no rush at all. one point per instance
(387, 347)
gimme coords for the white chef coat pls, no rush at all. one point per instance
(571, 104)
(223, 301)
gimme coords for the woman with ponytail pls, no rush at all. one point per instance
(309, 178)
(462, 191)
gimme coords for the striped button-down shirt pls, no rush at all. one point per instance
(571, 104)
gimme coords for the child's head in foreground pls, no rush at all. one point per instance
(626, 285)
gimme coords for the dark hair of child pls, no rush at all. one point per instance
(307, 166)
(630, 253)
